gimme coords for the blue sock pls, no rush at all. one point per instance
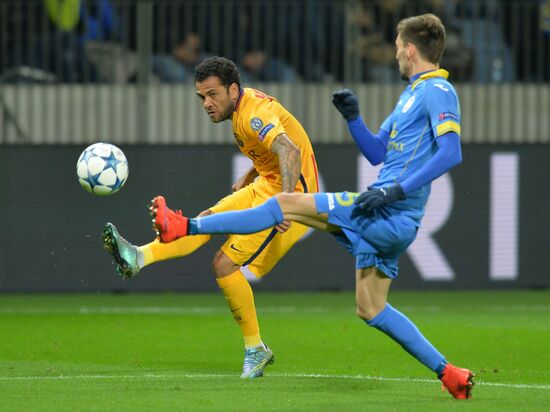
(400, 328)
(252, 220)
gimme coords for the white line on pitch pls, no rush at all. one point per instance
(209, 310)
(154, 310)
(281, 375)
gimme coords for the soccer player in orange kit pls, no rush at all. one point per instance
(283, 161)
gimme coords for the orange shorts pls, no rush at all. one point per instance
(260, 251)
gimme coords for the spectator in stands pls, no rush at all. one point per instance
(98, 21)
(178, 66)
(64, 51)
(53, 49)
(270, 44)
(268, 41)
(258, 66)
(99, 34)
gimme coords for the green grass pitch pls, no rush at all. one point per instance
(182, 352)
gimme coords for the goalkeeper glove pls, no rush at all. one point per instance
(346, 103)
(373, 198)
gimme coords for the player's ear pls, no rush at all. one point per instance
(234, 91)
(411, 50)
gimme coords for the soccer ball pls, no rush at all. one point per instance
(102, 169)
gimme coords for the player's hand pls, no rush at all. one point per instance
(247, 178)
(237, 186)
(373, 198)
(346, 103)
(242, 182)
(283, 226)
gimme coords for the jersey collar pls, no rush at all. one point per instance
(241, 92)
(420, 77)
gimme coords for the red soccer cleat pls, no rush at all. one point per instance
(459, 382)
(169, 225)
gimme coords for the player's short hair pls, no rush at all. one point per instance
(427, 33)
(219, 67)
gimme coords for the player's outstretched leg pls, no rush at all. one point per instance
(168, 224)
(255, 361)
(458, 381)
(171, 225)
(123, 252)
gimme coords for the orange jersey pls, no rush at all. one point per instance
(257, 120)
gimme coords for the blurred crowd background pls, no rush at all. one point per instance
(303, 43)
(281, 41)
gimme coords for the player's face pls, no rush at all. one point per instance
(218, 100)
(402, 57)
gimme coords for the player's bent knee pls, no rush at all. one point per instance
(222, 265)
(367, 312)
(362, 313)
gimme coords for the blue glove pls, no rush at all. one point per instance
(373, 198)
(347, 103)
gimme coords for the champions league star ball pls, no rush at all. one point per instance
(102, 169)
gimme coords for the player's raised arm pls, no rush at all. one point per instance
(289, 161)
(371, 145)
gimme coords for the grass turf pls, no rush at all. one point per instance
(182, 352)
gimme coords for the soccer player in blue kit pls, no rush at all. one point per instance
(418, 142)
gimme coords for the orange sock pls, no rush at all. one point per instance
(240, 299)
(157, 251)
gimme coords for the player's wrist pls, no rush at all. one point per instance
(355, 120)
(395, 192)
(351, 116)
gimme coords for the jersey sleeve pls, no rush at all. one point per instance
(443, 108)
(264, 125)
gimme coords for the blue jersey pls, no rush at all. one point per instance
(427, 109)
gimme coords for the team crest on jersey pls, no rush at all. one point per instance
(256, 123)
(408, 104)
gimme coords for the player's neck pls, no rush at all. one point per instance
(422, 67)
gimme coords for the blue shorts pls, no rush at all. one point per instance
(376, 239)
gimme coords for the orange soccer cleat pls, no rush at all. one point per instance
(168, 224)
(459, 382)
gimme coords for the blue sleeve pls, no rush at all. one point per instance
(443, 108)
(448, 155)
(371, 145)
